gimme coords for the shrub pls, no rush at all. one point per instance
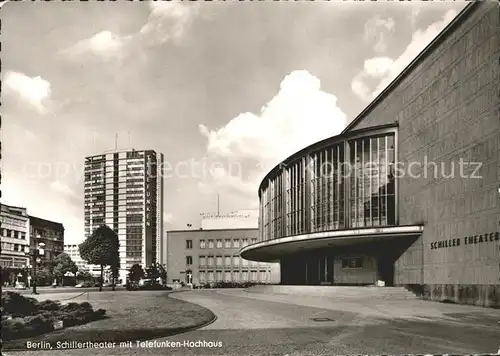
(16, 305)
(41, 320)
(25, 327)
(70, 307)
(49, 305)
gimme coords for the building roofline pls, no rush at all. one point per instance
(122, 150)
(13, 206)
(462, 15)
(211, 230)
(46, 221)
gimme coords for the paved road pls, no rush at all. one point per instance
(253, 324)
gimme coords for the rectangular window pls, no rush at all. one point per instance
(354, 262)
(244, 276)
(219, 244)
(227, 243)
(210, 261)
(189, 260)
(236, 261)
(210, 243)
(202, 277)
(218, 276)
(203, 244)
(189, 244)
(210, 276)
(218, 261)
(254, 241)
(202, 261)
(227, 261)
(253, 276)
(227, 276)
(236, 276)
(236, 243)
(244, 242)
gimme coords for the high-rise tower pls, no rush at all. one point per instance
(124, 190)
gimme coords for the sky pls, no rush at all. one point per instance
(225, 90)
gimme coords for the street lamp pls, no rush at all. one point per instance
(34, 255)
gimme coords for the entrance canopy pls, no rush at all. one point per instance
(273, 250)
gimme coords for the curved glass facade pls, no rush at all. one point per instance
(347, 183)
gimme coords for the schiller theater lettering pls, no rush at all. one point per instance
(468, 240)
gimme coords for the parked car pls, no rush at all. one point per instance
(20, 286)
(84, 285)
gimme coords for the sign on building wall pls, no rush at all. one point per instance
(241, 219)
(466, 241)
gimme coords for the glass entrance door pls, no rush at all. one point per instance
(326, 270)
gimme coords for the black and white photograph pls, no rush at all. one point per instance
(226, 178)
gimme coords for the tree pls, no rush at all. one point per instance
(101, 248)
(43, 276)
(62, 265)
(153, 273)
(136, 273)
(115, 268)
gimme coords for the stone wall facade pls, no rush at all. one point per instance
(448, 110)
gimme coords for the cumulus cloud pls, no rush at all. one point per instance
(415, 13)
(104, 44)
(167, 21)
(377, 32)
(33, 90)
(384, 70)
(297, 116)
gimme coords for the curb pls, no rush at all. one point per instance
(199, 326)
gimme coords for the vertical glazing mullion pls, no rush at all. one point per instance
(356, 184)
(302, 195)
(330, 190)
(269, 216)
(338, 186)
(317, 193)
(285, 172)
(323, 192)
(273, 207)
(313, 193)
(289, 201)
(378, 183)
(362, 191)
(294, 199)
(386, 179)
(297, 197)
(320, 194)
(371, 185)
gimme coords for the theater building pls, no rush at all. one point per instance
(409, 192)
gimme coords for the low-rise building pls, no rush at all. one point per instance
(15, 236)
(213, 255)
(48, 232)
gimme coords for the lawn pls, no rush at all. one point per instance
(138, 315)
